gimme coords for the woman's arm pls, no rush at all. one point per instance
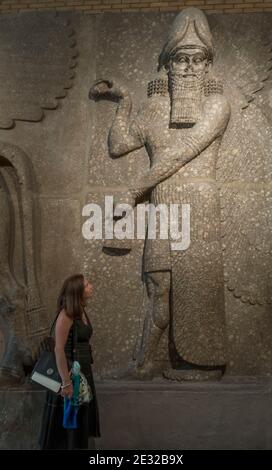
(63, 326)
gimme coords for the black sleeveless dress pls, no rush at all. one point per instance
(52, 434)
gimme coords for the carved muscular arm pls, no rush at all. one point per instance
(214, 120)
(121, 140)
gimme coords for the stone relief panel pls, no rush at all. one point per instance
(242, 167)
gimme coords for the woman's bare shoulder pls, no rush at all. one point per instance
(63, 319)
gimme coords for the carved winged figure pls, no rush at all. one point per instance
(205, 150)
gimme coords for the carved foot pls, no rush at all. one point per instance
(145, 371)
(194, 375)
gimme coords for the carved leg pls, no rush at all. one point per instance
(156, 321)
(8, 286)
(15, 355)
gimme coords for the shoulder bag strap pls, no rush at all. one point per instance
(53, 324)
(74, 351)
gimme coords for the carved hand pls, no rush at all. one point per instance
(136, 193)
(126, 197)
(131, 196)
(106, 88)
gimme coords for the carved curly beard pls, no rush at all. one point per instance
(186, 94)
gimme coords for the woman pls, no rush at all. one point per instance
(71, 322)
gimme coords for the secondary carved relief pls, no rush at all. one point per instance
(37, 54)
(22, 321)
(37, 57)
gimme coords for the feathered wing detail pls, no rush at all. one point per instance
(245, 180)
(243, 55)
(244, 167)
(37, 57)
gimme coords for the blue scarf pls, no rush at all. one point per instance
(71, 405)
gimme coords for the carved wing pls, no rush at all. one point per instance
(244, 167)
(243, 55)
(37, 56)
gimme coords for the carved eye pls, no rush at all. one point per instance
(198, 60)
(181, 60)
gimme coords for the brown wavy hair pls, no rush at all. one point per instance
(71, 297)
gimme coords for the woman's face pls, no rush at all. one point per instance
(88, 289)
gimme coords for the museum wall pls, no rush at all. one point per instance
(67, 149)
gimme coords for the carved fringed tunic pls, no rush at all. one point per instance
(197, 288)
